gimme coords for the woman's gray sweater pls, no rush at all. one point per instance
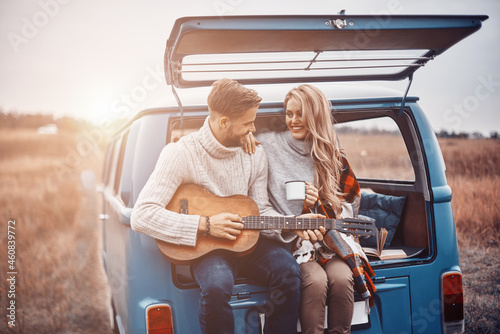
(289, 159)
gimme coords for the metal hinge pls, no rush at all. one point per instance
(338, 23)
(403, 101)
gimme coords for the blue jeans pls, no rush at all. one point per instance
(270, 264)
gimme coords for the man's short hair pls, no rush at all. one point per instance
(230, 98)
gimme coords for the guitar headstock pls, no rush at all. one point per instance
(356, 226)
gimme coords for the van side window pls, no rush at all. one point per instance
(113, 165)
(107, 166)
(375, 149)
(119, 166)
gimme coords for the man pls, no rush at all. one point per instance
(213, 158)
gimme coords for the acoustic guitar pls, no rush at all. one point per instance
(196, 200)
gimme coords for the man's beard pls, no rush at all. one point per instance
(232, 139)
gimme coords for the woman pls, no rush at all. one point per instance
(309, 151)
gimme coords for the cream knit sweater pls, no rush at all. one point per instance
(200, 159)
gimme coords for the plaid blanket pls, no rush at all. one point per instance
(340, 244)
(351, 252)
(348, 183)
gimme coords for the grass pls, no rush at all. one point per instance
(474, 176)
(60, 283)
(473, 173)
(481, 283)
(364, 152)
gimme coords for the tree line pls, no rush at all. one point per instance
(34, 121)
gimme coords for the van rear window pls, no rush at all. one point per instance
(375, 149)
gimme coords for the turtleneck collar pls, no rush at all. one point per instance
(212, 145)
(300, 146)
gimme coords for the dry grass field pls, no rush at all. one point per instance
(60, 285)
(473, 173)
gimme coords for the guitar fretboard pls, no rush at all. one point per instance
(292, 223)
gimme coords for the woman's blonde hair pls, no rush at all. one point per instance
(318, 120)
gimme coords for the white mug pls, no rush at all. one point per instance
(295, 190)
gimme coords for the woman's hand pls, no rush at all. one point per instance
(249, 143)
(312, 236)
(312, 195)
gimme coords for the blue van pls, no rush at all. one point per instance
(385, 134)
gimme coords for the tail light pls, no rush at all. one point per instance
(159, 319)
(452, 302)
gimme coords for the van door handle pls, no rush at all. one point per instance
(378, 280)
(125, 214)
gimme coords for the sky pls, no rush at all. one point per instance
(86, 59)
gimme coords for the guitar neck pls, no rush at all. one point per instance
(281, 222)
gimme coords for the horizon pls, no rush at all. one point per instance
(53, 119)
(67, 58)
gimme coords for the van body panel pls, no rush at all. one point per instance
(140, 276)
